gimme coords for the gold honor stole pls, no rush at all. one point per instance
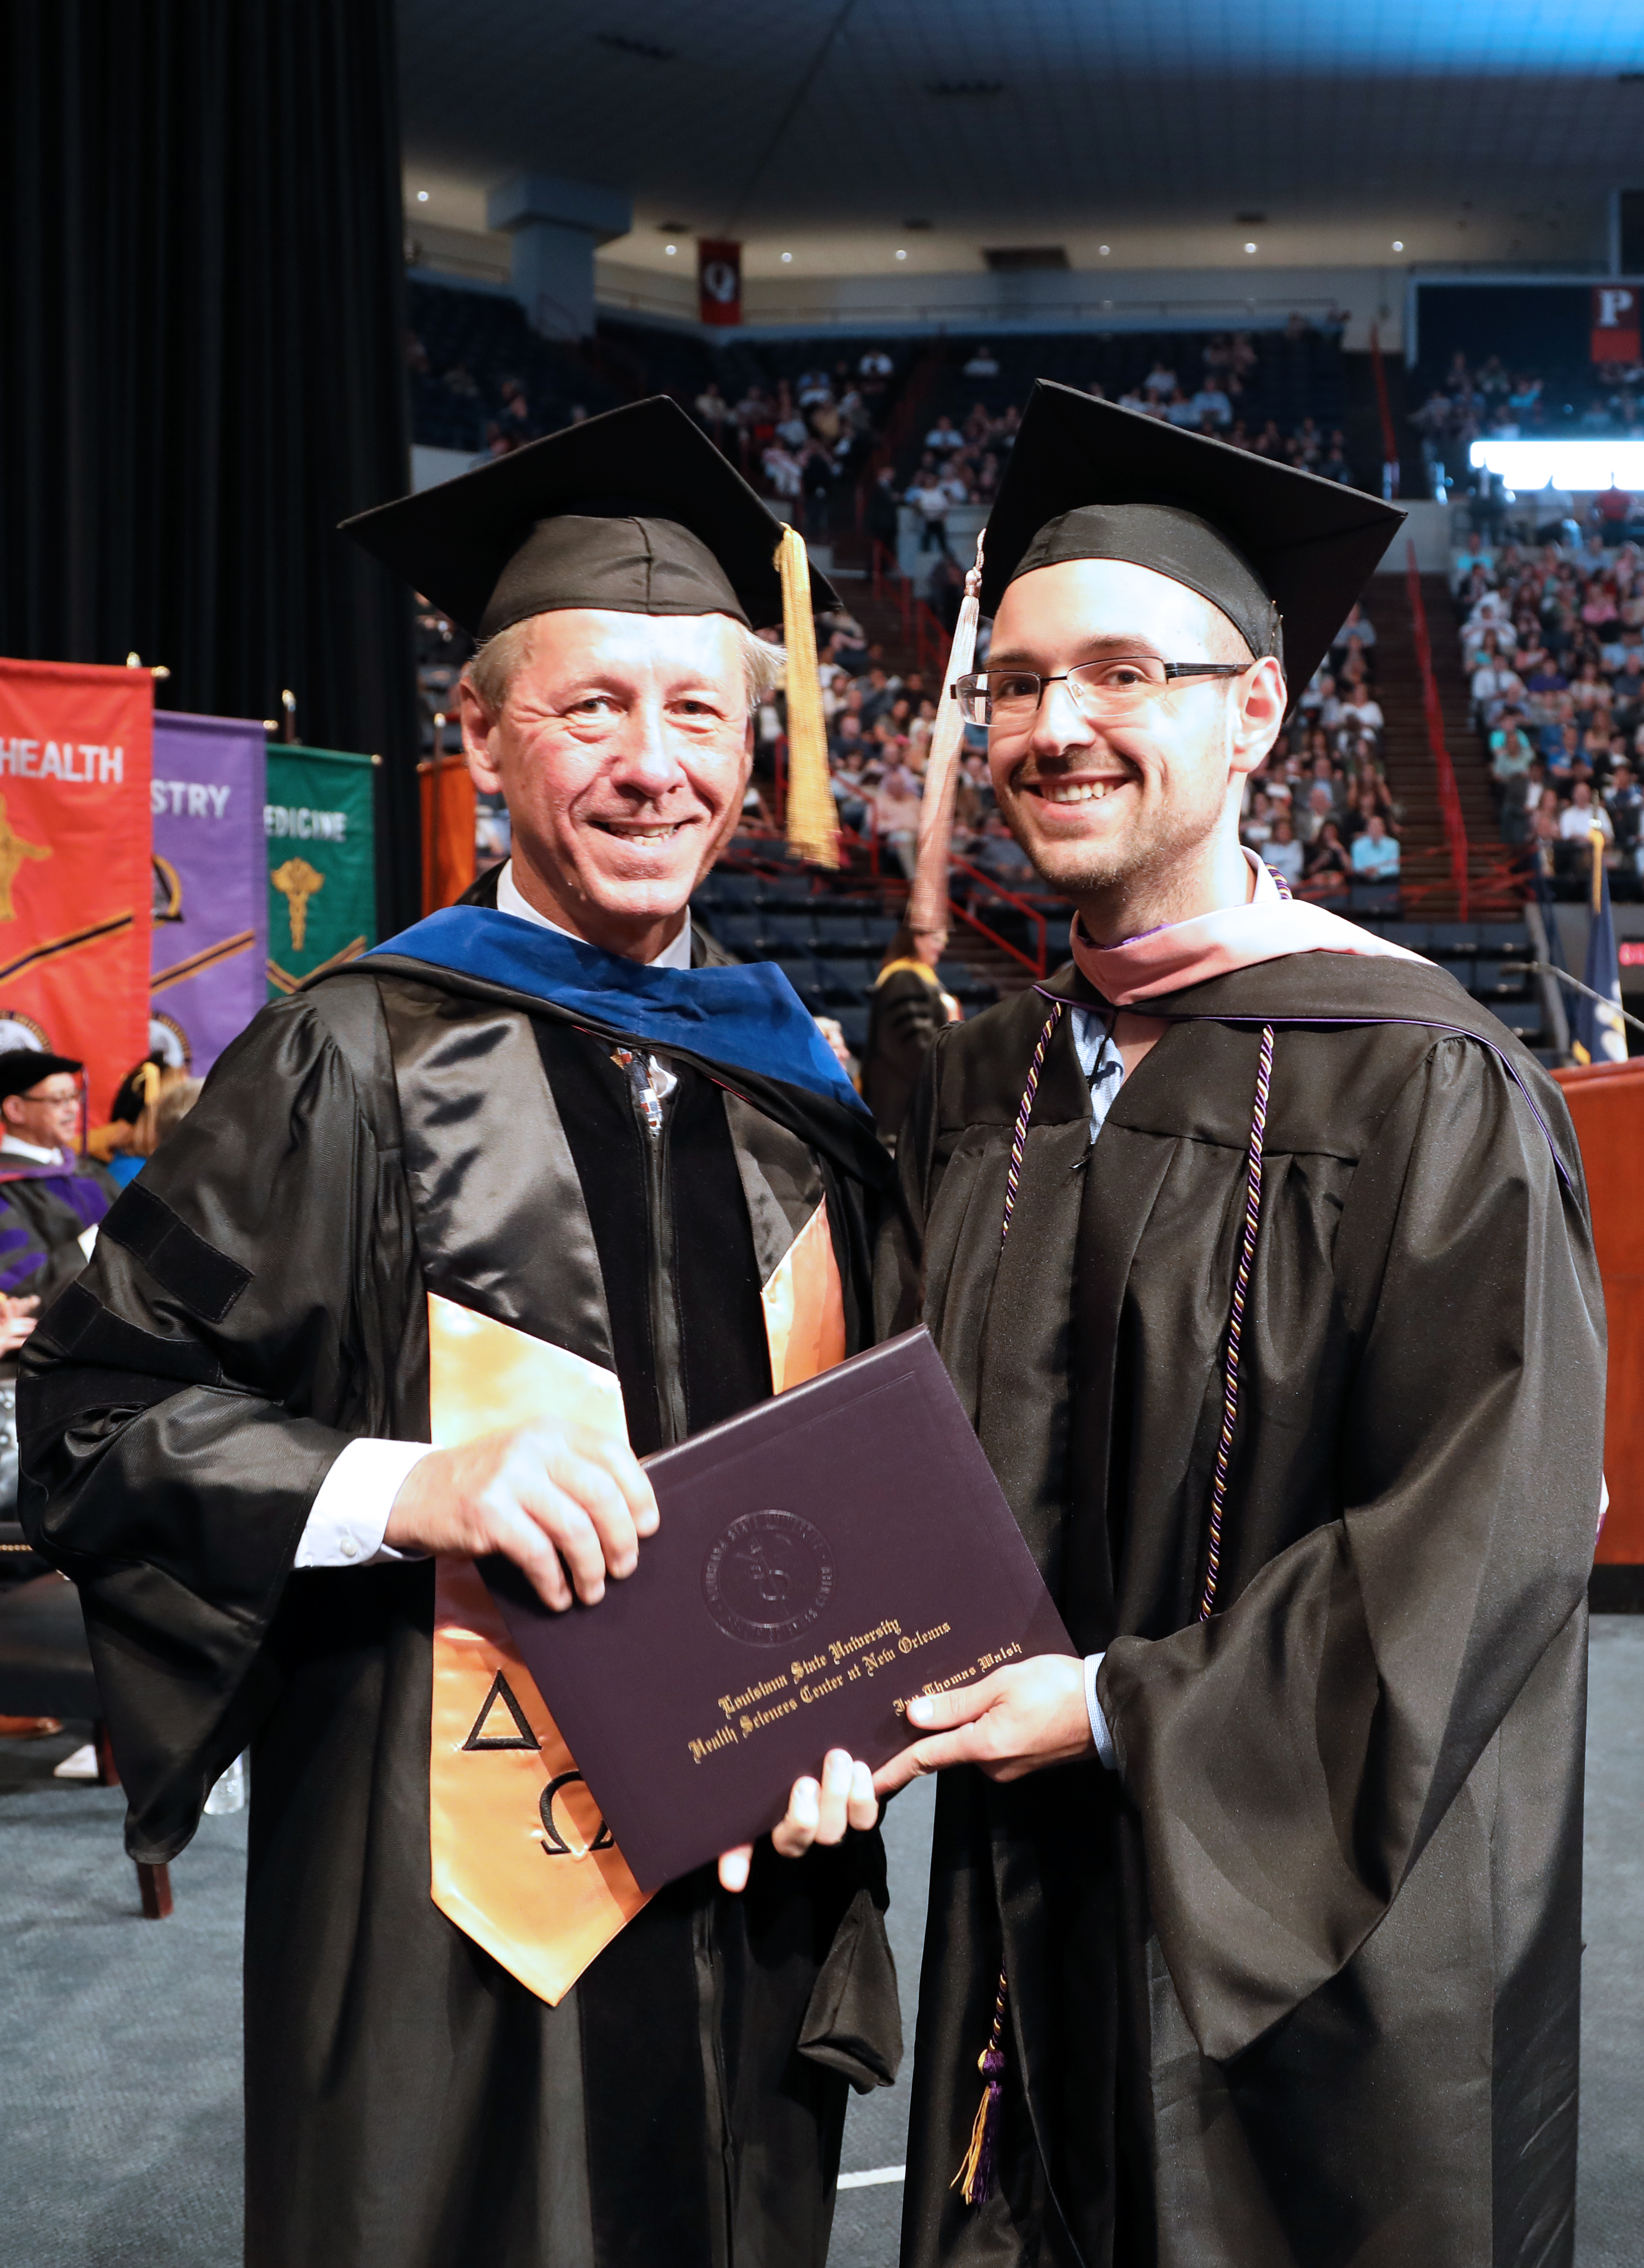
(521, 1859)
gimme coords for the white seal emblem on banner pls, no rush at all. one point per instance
(720, 281)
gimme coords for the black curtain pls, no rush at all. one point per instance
(201, 285)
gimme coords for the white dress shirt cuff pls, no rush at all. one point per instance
(1099, 1732)
(348, 1518)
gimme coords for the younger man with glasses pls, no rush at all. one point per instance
(1261, 1254)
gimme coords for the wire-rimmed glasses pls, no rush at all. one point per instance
(1108, 691)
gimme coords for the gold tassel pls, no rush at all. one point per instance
(928, 901)
(965, 2180)
(975, 2176)
(812, 824)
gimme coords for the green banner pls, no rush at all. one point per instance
(321, 851)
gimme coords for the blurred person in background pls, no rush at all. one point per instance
(48, 1189)
(909, 1008)
(896, 808)
(1375, 851)
(1329, 867)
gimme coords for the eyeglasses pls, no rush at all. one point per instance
(1107, 692)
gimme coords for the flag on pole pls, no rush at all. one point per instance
(321, 854)
(1597, 1032)
(207, 975)
(76, 740)
(449, 818)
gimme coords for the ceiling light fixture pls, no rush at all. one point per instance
(1399, 244)
(671, 249)
(1250, 247)
(1104, 249)
(422, 197)
(901, 255)
(787, 256)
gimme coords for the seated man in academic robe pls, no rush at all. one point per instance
(1261, 1254)
(469, 2038)
(50, 1196)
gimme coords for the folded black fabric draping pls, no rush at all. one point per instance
(1299, 1983)
(257, 1301)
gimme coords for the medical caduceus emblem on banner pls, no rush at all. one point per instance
(296, 882)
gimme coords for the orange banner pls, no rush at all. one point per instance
(75, 872)
(448, 823)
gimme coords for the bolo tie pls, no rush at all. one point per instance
(975, 2175)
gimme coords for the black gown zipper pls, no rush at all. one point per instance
(650, 1084)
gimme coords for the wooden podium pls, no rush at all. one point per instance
(1606, 1101)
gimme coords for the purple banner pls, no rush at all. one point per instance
(210, 949)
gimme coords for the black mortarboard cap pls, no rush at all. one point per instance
(21, 1068)
(1282, 554)
(635, 511)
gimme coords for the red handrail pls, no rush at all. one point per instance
(1038, 962)
(885, 569)
(931, 641)
(1448, 793)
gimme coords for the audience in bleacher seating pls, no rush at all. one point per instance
(1553, 637)
(1493, 403)
(482, 380)
(1308, 808)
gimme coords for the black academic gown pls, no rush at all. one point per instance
(907, 1010)
(257, 1299)
(1297, 1985)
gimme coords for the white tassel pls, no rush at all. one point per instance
(928, 901)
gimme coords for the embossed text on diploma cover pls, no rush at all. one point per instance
(821, 1559)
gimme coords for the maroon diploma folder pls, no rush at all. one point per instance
(821, 1559)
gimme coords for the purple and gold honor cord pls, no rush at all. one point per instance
(975, 2175)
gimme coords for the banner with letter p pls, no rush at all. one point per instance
(1616, 326)
(75, 745)
(320, 848)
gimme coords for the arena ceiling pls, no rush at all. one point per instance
(1172, 131)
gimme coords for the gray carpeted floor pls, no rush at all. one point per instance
(119, 2052)
(1610, 2199)
(119, 2048)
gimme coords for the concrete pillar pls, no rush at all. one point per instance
(556, 226)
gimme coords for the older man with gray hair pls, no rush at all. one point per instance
(470, 2033)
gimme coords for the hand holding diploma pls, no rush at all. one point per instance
(817, 1812)
(1021, 1718)
(566, 1505)
(823, 1556)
